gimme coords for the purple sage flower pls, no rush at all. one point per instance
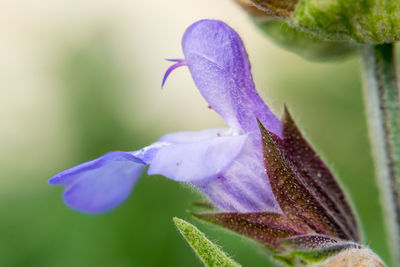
(226, 164)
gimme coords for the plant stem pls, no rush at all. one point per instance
(383, 112)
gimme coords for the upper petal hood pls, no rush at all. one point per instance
(220, 68)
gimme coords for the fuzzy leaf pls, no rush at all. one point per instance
(265, 227)
(318, 179)
(295, 200)
(208, 253)
(302, 43)
(365, 22)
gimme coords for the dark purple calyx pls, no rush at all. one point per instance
(318, 179)
(315, 212)
(265, 227)
(293, 195)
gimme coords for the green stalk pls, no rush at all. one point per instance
(383, 112)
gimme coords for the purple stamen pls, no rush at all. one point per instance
(179, 63)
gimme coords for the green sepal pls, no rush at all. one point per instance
(303, 43)
(208, 252)
(319, 255)
(203, 205)
(315, 256)
(318, 179)
(265, 227)
(308, 242)
(309, 250)
(295, 197)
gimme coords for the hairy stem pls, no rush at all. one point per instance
(383, 112)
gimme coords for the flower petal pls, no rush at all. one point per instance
(197, 161)
(220, 68)
(147, 153)
(244, 185)
(194, 136)
(101, 184)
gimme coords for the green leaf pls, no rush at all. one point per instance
(271, 18)
(368, 22)
(361, 21)
(304, 44)
(208, 253)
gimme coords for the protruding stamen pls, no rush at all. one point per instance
(179, 63)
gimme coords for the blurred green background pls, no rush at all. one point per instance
(80, 79)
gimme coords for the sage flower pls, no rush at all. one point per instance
(261, 174)
(225, 164)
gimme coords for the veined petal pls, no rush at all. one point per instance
(101, 184)
(236, 181)
(197, 161)
(147, 153)
(221, 70)
(194, 136)
(227, 167)
(244, 185)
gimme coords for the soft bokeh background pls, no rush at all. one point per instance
(81, 78)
